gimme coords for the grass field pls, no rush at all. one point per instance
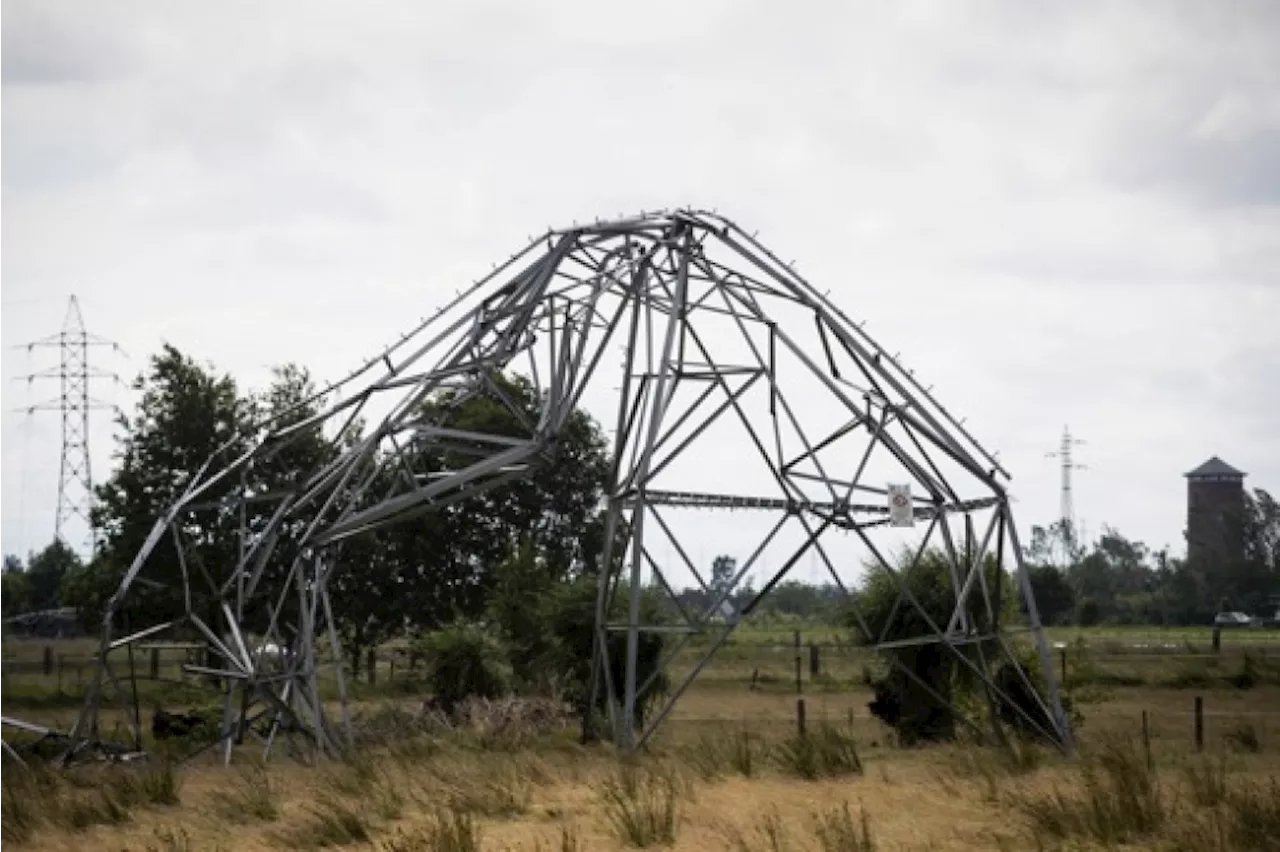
(727, 771)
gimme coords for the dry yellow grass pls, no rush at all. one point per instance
(906, 805)
(932, 799)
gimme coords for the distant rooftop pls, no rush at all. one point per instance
(1216, 467)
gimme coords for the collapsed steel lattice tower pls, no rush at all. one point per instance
(742, 388)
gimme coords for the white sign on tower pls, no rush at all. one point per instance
(901, 513)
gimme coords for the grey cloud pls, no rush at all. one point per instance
(48, 43)
(1213, 170)
(1027, 201)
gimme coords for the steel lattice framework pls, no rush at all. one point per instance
(75, 476)
(742, 388)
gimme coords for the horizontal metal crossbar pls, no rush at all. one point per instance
(732, 502)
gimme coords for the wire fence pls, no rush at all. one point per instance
(1199, 698)
(1244, 659)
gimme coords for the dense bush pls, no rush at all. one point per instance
(568, 617)
(540, 639)
(548, 623)
(464, 660)
(917, 695)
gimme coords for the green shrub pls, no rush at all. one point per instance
(568, 613)
(463, 660)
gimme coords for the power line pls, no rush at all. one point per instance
(75, 478)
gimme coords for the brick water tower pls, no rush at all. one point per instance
(1215, 511)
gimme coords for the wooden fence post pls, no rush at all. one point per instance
(155, 663)
(1146, 740)
(799, 683)
(1199, 723)
(48, 660)
(815, 665)
(373, 666)
(1062, 659)
(800, 726)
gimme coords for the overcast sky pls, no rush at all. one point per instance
(1057, 213)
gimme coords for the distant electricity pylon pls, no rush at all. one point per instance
(1066, 508)
(75, 479)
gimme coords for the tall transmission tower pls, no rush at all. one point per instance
(75, 477)
(1066, 507)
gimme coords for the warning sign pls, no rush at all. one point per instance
(901, 513)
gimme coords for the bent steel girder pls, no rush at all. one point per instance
(742, 389)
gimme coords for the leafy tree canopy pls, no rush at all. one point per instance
(45, 573)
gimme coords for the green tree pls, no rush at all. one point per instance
(16, 587)
(723, 569)
(903, 701)
(382, 584)
(289, 399)
(1262, 531)
(1055, 598)
(523, 582)
(797, 598)
(445, 565)
(1089, 613)
(1057, 544)
(186, 414)
(46, 570)
(555, 504)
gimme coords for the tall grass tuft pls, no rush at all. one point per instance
(24, 795)
(706, 756)
(254, 796)
(641, 805)
(1207, 782)
(331, 822)
(1254, 817)
(743, 749)
(767, 834)
(1244, 737)
(160, 784)
(499, 790)
(82, 812)
(177, 840)
(445, 831)
(1120, 801)
(837, 831)
(568, 841)
(714, 755)
(827, 752)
